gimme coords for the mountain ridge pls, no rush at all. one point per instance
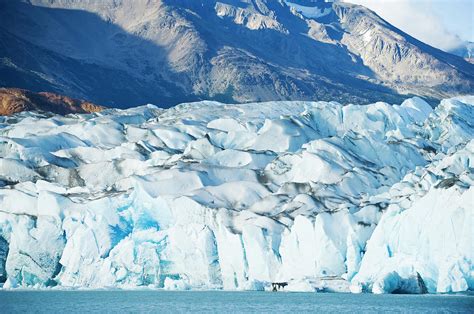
(122, 53)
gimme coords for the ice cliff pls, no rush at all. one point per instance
(204, 195)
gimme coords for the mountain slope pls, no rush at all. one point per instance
(124, 53)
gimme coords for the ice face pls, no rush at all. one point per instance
(428, 230)
(210, 196)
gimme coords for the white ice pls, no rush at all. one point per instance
(375, 198)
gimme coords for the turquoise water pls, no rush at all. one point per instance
(228, 302)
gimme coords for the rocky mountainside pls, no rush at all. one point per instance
(13, 100)
(125, 53)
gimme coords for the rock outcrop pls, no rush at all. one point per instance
(13, 100)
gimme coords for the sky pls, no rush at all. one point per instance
(444, 24)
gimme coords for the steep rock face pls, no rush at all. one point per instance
(121, 53)
(208, 195)
(13, 100)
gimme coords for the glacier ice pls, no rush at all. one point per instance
(205, 195)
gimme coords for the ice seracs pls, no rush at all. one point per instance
(431, 210)
(321, 196)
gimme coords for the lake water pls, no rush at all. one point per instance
(228, 302)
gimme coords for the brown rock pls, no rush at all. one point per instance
(14, 100)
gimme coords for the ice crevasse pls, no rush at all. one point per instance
(374, 198)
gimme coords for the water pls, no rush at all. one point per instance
(228, 302)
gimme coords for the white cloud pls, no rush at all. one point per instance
(417, 18)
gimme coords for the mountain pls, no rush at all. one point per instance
(13, 100)
(205, 195)
(126, 53)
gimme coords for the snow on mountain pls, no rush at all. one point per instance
(312, 12)
(466, 51)
(211, 196)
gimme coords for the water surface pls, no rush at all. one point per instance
(146, 301)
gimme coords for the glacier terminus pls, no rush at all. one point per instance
(204, 195)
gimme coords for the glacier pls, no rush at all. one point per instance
(326, 197)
